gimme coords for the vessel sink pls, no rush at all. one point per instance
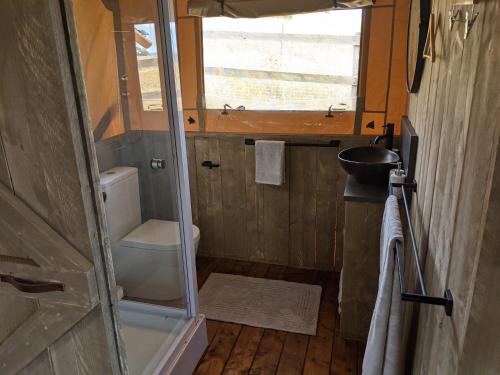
(368, 165)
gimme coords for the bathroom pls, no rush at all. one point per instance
(235, 169)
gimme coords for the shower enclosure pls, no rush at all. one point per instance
(128, 54)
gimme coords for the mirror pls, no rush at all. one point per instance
(418, 25)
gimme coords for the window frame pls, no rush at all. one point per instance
(382, 95)
(278, 121)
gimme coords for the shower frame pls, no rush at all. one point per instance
(182, 355)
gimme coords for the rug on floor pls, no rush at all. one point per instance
(257, 302)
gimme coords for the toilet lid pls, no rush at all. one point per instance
(156, 235)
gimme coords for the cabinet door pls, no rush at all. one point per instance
(360, 270)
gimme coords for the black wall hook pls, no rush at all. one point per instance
(209, 164)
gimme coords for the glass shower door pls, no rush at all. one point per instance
(128, 54)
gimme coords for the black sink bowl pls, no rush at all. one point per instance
(368, 165)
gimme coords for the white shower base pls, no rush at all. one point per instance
(149, 332)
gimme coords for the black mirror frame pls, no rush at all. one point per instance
(413, 83)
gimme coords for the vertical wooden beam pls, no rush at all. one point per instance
(275, 229)
(326, 193)
(254, 208)
(209, 198)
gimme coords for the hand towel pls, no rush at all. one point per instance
(270, 162)
(383, 347)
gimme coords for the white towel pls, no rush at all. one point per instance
(270, 162)
(383, 347)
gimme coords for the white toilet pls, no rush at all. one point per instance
(146, 257)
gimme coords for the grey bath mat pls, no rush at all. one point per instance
(265, 303)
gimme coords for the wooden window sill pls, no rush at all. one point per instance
(279, 122)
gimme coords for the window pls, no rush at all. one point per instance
(147, 63)
(302, 62)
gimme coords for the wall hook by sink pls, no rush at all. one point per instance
(456, 15)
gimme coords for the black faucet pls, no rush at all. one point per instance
(388, 136)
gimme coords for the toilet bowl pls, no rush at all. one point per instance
(148, 261)
(147, 257)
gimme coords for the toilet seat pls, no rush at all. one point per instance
(158, 235)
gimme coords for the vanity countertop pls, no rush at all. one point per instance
(356, 192)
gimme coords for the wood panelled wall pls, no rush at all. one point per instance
(456, 114)
(381, 86)
(298, 224)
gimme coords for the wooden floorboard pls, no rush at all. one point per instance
(244, 351)
(259, 270)
(293, 355)
(360, 354)
(344, 356)
(268, 353)
(319, 351)
(214, 360)
(242, 268)
(275, 272)
(236, 349)
(204, 267)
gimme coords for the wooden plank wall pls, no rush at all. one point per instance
(298, 224)
(456, 116)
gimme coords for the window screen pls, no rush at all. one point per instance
(147, 63)
(300, 62)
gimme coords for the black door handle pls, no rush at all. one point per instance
(209, 164)
(31, 286)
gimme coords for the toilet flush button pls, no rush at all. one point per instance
(158, 164)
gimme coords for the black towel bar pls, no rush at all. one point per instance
(332, 143)
(447, 299)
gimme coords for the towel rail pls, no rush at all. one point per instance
(423, 297)
(332, 143)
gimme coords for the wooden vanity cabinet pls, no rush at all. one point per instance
(364, 208)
